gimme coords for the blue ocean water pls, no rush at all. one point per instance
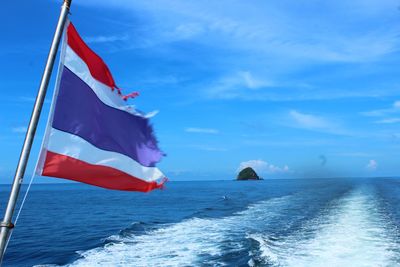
(303, 222)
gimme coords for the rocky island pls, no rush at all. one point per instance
(248, 174)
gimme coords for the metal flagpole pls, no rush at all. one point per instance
(6, 225)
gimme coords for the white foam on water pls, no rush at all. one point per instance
(352, 233)
(187, 243)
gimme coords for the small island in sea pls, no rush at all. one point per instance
(248, 174)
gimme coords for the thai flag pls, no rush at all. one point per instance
(93, 136)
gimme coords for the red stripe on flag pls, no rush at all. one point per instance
(96, 65)
(61, 166)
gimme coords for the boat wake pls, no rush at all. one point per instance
(344, 229)
(189, 243)
(353, 231)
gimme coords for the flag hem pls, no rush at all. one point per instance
(43, 147)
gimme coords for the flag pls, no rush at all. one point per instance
(92, 135)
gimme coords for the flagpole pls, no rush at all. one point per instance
(6, 225)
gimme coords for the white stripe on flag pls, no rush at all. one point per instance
(74, 146)
(111, 98)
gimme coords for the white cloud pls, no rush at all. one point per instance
(272, 87)
(309, 121)
(241, 84)
(278, 47)
(315, 123)
(372, 165)
(395, 108)
(285, 33)
(186, 31)
(201, 130)
(353, 154)
(251, 82)
(302, 142)
(388, 121)
(31, 99)
(105, 39)
(261, 166)
(208, 148)
(20, 129)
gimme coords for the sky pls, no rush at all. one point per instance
(293, 89)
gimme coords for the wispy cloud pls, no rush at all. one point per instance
(241, 84)
(388, 115)
(185, 31)
(313, 122)
(20, 129)
(353, 154)
(293, 142)
(201, 130)
(271, 86)
(27, 99)
(208, 148)
(372, 165)
(395, 108)
(310, 121)
(262, 166)
(388, 121)
(31, 99)
(249, 53)
(285, 34)
(252, 82)
(106, 39)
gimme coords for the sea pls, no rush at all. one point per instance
(293, 222)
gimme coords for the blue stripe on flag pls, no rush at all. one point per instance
(79, 111)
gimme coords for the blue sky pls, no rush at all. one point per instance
(294, 89)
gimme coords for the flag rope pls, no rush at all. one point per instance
(20, 209)
(30, 134)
